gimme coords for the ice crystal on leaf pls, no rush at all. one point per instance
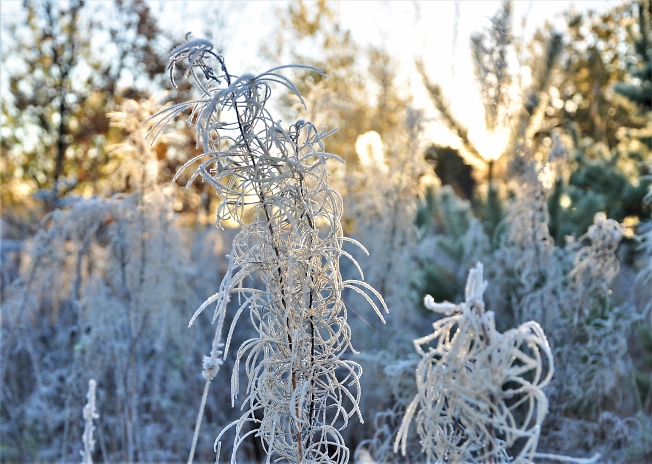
(273, 182)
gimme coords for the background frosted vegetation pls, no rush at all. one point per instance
(535, 249)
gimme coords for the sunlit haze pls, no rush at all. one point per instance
(437, 32)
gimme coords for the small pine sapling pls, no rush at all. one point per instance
(273, 182)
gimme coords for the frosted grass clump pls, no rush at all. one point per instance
(479, 390)
(384, 203)
(594, 356)
(100, 296)
(398, 378)
(138, 165)
(567, 292)
(526, 261)
(273, 182)
(596, 265)
(380, 448)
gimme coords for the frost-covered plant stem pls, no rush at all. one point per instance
(211, 367)
(90, 413)
(273, 182)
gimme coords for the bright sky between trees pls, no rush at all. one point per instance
(437, 31)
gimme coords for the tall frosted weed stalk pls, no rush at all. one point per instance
(273, 182)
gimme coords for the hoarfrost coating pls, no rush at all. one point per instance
(479, 390)
(273, 182)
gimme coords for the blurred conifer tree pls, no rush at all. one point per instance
(311, 34)
(601, 101)
(359, 94)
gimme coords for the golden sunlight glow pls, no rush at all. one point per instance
(491, 145)
(565, 201)
(629, 226)
(23, 190)
(370, 150)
